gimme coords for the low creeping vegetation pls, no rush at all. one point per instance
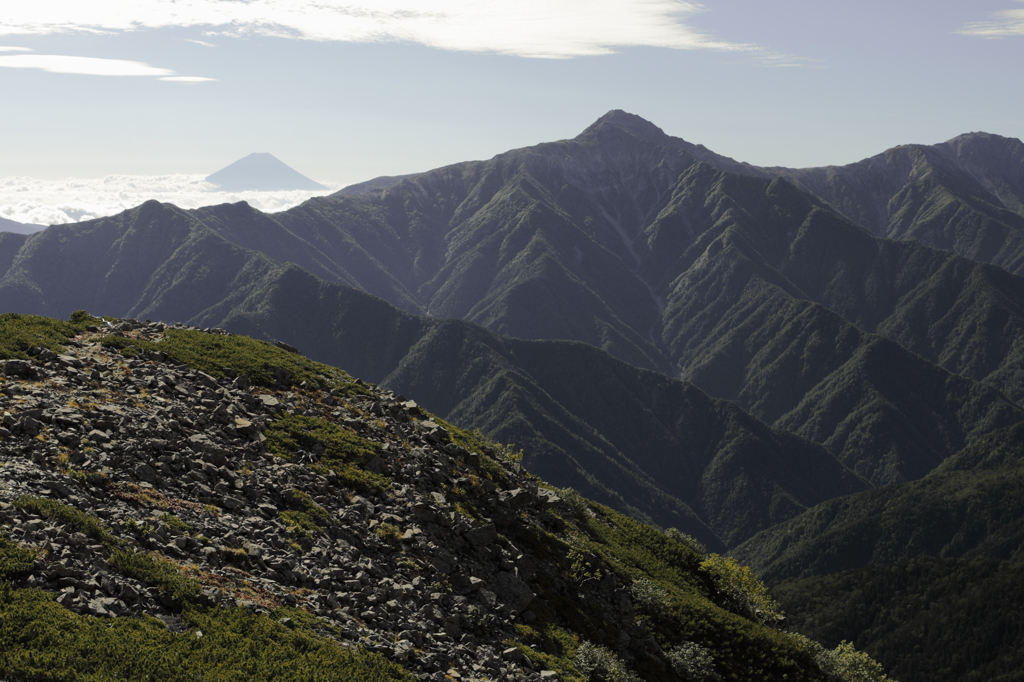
(40, 640)
(332, 446)
(21, 333)
(263, 363)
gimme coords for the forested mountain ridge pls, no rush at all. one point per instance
(624, 238)
(590, 239)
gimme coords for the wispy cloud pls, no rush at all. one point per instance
(48, 202)
(4, 48)
(187, 79)
(1008, 22)
(89, 66)
(527, 28)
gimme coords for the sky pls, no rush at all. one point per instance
(111, 101)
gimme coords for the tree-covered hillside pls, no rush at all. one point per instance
(925, 575)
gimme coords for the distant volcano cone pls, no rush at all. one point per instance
(261, 172)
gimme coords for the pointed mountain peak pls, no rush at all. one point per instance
(618, 120)
(261, 172)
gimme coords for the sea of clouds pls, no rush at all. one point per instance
(54, 202)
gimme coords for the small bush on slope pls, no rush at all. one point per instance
(15, 562)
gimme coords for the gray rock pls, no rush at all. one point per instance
(69, 361)
(527, 566)
(402, 649)
(548, 499)
(98, 436)
(517, 498)
(19, 368)
(200, 442)
(207, 380)
(146, 473)
(233, 502)
(484, 535)
(513, 591)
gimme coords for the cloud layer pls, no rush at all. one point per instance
(1008, 22)
(528, 28)
(47, 202)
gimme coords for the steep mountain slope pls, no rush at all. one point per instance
(961, 514)
(485, 241)
(610, 184)
(958, 313)
(904, 571)
(602, 239)
(583, 238)
(965, 316)
(153, 260)
(10, 244)
(924, 619)
(742, 323)
(159, 520)
(488, 241)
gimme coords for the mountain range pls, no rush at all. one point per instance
(705, 344)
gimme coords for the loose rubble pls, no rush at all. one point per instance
(175, 462)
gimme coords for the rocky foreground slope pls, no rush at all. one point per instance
(241, 495)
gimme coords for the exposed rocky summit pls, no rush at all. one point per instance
(142, 486)
(175, 462)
